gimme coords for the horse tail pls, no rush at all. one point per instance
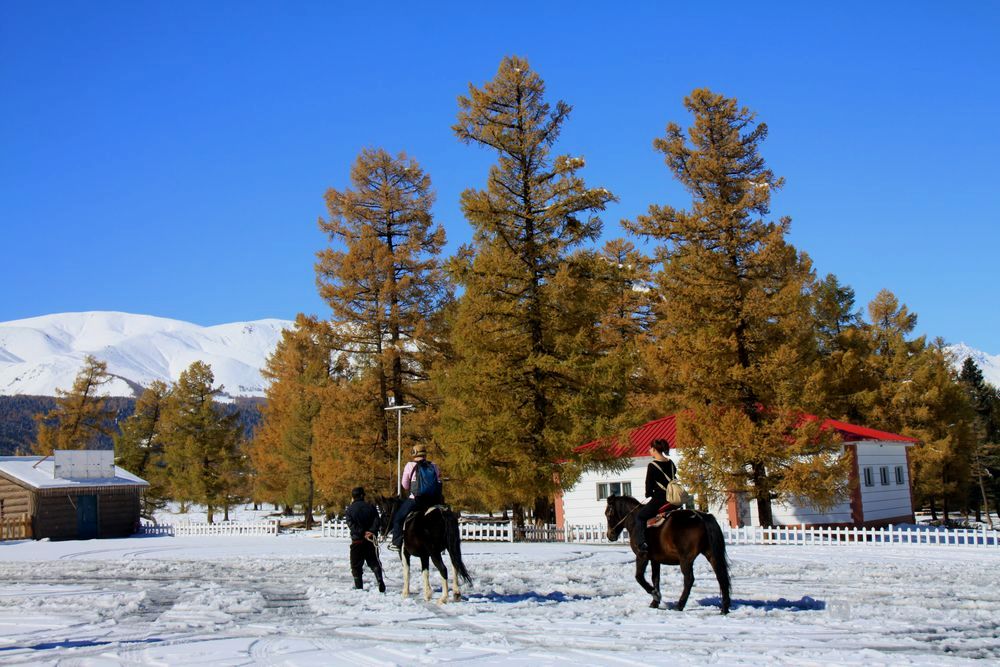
(720, 562)
(454, 542)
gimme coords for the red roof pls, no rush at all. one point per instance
(666, 427)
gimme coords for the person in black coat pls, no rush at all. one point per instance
(362, 519)
(660, 471)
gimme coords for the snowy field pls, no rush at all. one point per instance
(288, 600)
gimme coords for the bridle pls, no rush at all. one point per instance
(624, 518)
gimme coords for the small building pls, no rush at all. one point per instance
(881, 492)
(71, 494)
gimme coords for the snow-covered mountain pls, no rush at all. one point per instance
(41, 354)
(989, 364)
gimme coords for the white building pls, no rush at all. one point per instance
(880, 482)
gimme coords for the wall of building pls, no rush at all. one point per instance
(56, 515)
(881, 502)
(15, 499)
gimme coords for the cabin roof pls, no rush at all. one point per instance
(36, 472)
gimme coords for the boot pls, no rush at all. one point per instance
(381, 582)
(357, 581)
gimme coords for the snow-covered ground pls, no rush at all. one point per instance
(288, 600)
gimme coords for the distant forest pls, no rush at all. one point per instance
(17, 428)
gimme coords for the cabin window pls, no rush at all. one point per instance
(606, 489)
(883, 474)
(869, 477)
(899, 474)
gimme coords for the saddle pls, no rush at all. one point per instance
(661, 516)
(413, 514)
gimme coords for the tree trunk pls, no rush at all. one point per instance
(762, 493)
(934, 515)
(210, 514)
(309, 504)
(543, 511)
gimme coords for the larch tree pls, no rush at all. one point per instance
(202, 444)
(517, 362)
(139, 445)
(733, 339)
(917, 394)
(283, 450)
(384, 283)
(81, 416)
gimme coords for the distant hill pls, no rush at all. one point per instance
(989, 364)
(41, 354)
(17, 426)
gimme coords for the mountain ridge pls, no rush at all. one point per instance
(41, 354)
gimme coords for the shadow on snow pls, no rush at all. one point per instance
(79, 643)
(805, 604)
(530, 596)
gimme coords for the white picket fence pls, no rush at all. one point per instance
(225, 528)
(887, 535)
(505, 531)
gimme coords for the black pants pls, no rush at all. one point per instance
(644, 514)
(363, 551)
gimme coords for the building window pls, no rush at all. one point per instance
(899, 474)
(869, 477)
(606, 489)
(883, 474)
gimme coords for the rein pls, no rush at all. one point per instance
(626, 516)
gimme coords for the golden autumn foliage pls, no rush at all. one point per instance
(81, 415)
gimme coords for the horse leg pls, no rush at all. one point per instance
(687, 569)
(455, 591)
(425, 571)
(443, 571)
(404, 556)
(640, 574)
(656, 586)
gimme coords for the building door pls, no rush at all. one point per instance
(86, 517)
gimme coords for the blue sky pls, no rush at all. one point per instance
(170, 158)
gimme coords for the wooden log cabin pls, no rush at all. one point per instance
(70, 495)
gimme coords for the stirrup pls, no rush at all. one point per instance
(393, 547)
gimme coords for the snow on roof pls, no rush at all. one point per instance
(28, 470)
(666, 427)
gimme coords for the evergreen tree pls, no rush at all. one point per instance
(139, 446)
(517, 361)
(383, 281)
(202, 444)
(840, 372)
(917, 395)
(283, 449)
(733, 337)
(81, 416)
(985, 401)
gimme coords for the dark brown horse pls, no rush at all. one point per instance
(684, 536)
(426, 535)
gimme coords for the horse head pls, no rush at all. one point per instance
(386, 506)
(619, 509)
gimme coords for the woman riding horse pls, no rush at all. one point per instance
(684, 536)
(427, 535)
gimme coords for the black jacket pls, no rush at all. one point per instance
(361, 517)
(659, 473)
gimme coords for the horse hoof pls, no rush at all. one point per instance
(655, 604)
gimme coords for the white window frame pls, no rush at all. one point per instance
(883, 474)
(624, 489)
(869, 477)
(900, 475)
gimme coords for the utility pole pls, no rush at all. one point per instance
(399, 441)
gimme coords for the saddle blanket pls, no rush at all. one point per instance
(661, 517)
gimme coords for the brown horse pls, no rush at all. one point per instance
(684, 536)
(426, 535)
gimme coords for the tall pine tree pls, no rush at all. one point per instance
(733, 337)
(202, 444)
(139, 446)
(283, 450)
(383, 281)
(516, 359)
(81, 416)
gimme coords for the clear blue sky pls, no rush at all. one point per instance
(170, 158)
